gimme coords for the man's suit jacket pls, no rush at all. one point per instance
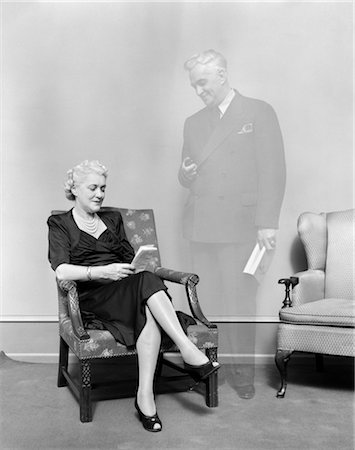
(241, 172)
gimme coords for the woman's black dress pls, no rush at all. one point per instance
(118, 306)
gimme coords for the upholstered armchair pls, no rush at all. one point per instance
(88, 345)
(318, 314)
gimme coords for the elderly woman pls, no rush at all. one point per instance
(91, 247)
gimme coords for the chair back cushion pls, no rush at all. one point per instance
(312, 230)
(339, 278)
(139, 226)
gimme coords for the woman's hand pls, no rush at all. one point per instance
(116, 271)
(102, 274)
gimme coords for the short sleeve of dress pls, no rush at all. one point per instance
(58, 242)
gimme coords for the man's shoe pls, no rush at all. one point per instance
(246, 392)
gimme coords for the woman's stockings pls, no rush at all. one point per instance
(147, 345)
(163, 312)
(160, 312)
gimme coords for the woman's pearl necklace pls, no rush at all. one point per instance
(90, 226)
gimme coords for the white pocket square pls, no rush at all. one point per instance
(247, 128)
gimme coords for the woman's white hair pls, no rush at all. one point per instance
(205, 58)
(77, 173)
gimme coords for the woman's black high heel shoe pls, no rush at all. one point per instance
(199, 373)
(148, 422)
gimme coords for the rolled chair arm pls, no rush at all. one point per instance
(311, 287)
(189, 280)
(69, 287)
(303, 287)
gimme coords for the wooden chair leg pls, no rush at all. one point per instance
(63, 362)
(282, 357)
(85, 392)
(319, 362)
(159, 368)
(212, 381)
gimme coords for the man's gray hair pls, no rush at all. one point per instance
(207, 57)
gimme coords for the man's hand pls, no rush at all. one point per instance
(267, 238)
(189, 169)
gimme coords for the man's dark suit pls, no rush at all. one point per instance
(241, 175)
(241, 172)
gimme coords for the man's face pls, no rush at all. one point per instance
(209, 83)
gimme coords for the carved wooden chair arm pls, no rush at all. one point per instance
(69, 287)
(289, 283)
(189, 280)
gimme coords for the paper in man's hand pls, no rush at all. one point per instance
(258, 262)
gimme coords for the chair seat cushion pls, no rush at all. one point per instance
(102, 344)
(328, 312)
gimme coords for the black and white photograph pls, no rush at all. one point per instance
(177, 226)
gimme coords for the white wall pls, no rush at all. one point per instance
(105, 81)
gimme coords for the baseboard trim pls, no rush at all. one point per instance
(29, 319)
(224, 358)
(215, 319)
(243, 319)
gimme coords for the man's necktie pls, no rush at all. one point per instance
(215, 117)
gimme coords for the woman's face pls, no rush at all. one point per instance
(90, 192)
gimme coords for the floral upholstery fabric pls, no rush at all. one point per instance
(140, 230)
(102, 344)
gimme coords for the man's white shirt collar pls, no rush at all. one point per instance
(226, 102)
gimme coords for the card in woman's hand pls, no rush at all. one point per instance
(146, 258)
